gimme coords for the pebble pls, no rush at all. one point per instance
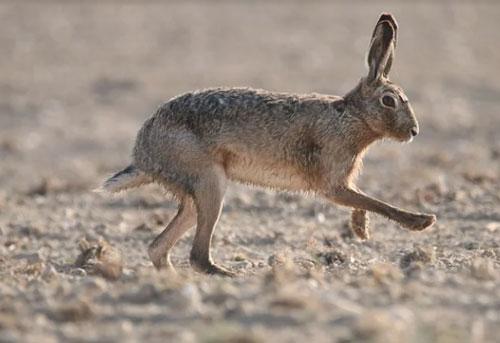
(482, 269)
(49, 272)
(78, 272)
(29, 257)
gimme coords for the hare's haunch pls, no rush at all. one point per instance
(196, 142)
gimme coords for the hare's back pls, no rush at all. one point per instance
(241, 107)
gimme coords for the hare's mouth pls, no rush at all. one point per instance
(404, 137)
(408, 136)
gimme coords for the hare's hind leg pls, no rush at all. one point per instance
(159, 249)
(208, 197)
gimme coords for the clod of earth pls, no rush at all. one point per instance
(100, 258)
(419, 254)
(71, 312)
(482, 269)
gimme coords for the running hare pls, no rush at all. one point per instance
(196, 142)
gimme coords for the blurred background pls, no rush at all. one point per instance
(78, 78)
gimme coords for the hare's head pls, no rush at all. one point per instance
(382, 104)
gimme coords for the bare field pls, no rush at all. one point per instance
(77, 81)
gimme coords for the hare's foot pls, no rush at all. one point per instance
(211, 268)
(160, 259)
(418, 221)
(359, 224)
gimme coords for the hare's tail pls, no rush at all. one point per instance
(129, 177)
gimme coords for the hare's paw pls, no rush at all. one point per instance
(160, 259)
(419, 222)
(214, 269)
(208, 267)
(359, 224)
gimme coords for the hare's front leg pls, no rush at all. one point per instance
(349, 197)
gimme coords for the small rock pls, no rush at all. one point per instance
(482, 269)
(188, 298)
(479, 178)
(239, 258)
(385, 273)
(110, 261)
(10, 336)
(49, 272)
(471, 245)
(34, 269)
(417, 255)
(280, 259)
(71, 312)
(289, 302)
(282, 269)
(230, 333)
(383, 326)
(143, 294)
(79, 272)
(126, 327)
(158, 219)
(489, 253)
(493, 226)
(25, 230)
(9, 321)
(143, 227)
(333, 257)
(243, 265)
(41, 188)
(100, 258)
(222, 294)
(91, 285)
(372, 326)
(8, 145)
(29, 257)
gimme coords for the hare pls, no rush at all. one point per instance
(196, 142)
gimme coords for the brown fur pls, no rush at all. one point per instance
(196, 142)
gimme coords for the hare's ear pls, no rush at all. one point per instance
(381, 52)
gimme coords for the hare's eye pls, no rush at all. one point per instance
(389, 101)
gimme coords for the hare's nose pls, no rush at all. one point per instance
(414, 131)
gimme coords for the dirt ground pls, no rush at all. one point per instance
(76, 82)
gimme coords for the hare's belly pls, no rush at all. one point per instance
(251, 170)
